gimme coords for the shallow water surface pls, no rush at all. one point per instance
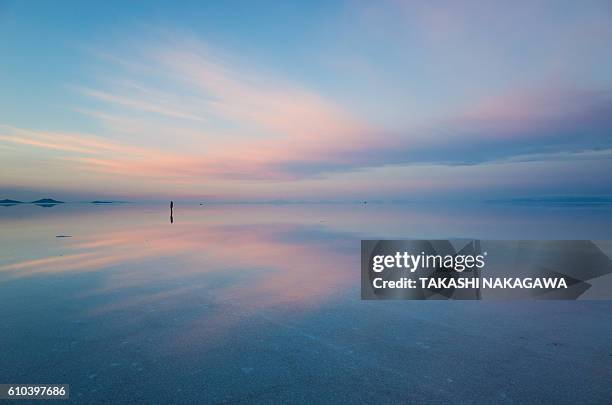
(260, 303)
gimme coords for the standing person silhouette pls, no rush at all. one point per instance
(171, 212)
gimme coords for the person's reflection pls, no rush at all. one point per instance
(171, 212)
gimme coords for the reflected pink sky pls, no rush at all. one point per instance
(220, 270)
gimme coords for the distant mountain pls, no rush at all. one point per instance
(560, 201)
(47, 201)
(7, 201)
(107, 202)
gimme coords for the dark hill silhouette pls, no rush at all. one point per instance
(47, 201)
(7, 201)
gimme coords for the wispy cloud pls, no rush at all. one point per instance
(282, 130)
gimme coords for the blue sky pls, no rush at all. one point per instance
(306, 100)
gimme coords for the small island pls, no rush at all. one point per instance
(107, 202)
(7, 201)
(47, 201)
(43, 202)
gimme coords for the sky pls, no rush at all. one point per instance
(305, 101)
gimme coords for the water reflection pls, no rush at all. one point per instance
(244, 296)
(281, 253)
